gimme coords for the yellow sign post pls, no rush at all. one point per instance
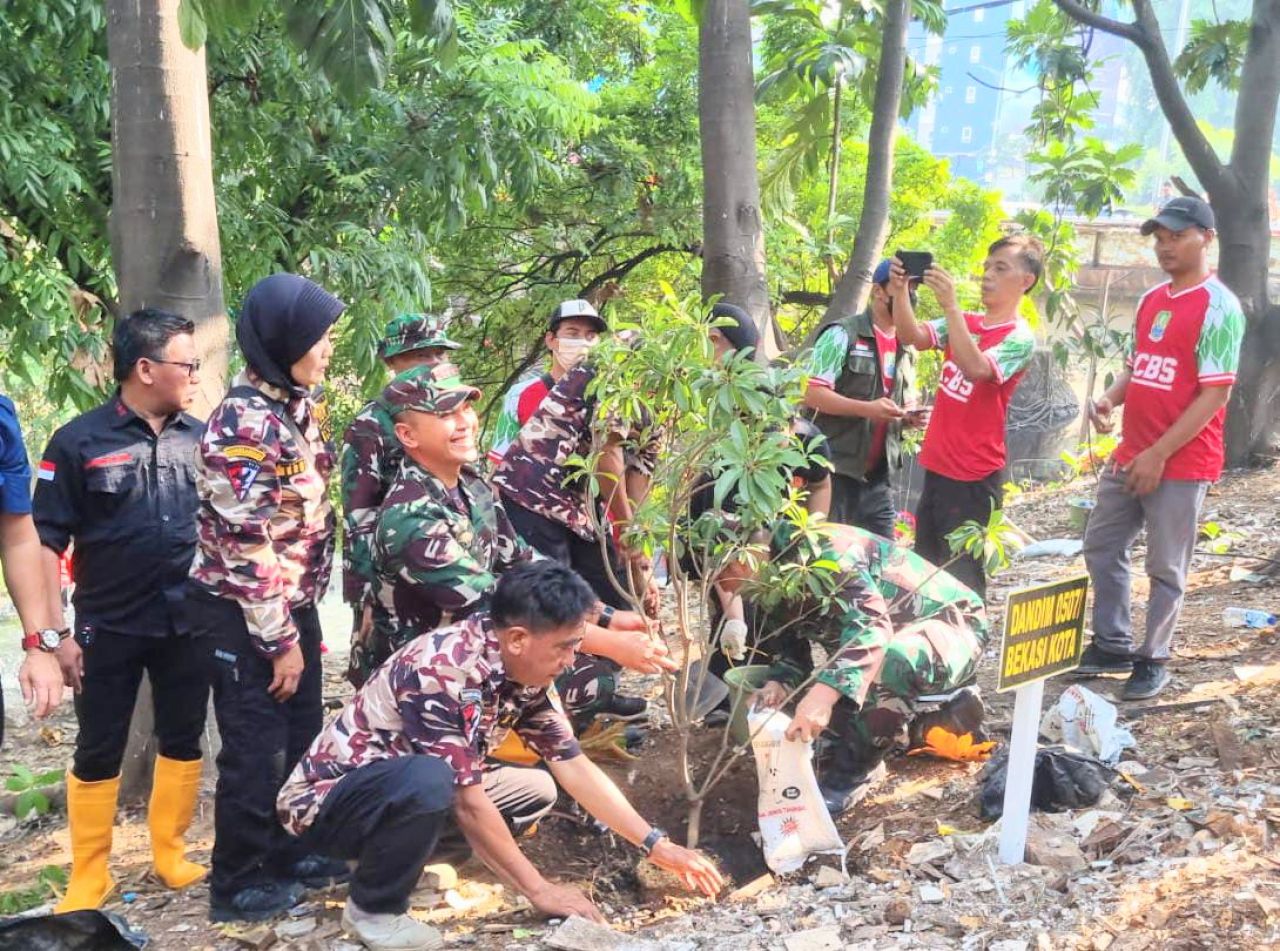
(1043, 636)
(1043, 632)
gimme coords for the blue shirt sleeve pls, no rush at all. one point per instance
(15, 469)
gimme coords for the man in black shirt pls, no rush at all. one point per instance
(118, 483)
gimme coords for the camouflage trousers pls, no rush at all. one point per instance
(930, 656)
(586, 688)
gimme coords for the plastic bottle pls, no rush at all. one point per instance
(1247, 617)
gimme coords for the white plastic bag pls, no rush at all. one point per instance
(1088, 722)
(794, 823)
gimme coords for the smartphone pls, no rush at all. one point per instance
(916, 263)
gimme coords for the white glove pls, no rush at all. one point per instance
(733, 639)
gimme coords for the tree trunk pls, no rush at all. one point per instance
(1242, 265)
(733, 261)
(1237, 191)
(163, 224)
(833, 180)
(850, 294)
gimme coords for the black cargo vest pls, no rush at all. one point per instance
(860, 379)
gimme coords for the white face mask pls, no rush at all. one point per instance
(570, 351)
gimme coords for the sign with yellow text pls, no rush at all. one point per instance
(1043, 632)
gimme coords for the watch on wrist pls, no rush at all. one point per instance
(651, 840)
(606, 616)
(46, 639)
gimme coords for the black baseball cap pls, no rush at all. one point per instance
(580, 309)
(1181, 213)
(742, 332)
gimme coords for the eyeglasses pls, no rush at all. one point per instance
(192, 368)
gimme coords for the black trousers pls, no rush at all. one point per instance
(389, 815)
(555, 541)
(262, 741)
(868, 505)
(945, 505)
(113, 666)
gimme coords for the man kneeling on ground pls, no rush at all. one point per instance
(894, 628)
(409, 752)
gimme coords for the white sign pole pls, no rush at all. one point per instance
(1021, 770)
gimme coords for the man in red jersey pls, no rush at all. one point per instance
(984, 357)
(1175, 387)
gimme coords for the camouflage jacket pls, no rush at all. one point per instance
(368, 462)
(533, 471)
(444, 694)
(886, 588)
(265, 526)
(435, 563)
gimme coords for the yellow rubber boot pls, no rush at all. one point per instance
(174, 790)
(91, 812)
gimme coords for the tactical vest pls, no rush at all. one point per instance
(860, 379)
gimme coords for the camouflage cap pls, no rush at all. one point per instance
(414, 332)
(435, 389)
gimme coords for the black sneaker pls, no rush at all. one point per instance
(840, 797)
(1147, 680)
(622, 707)
(320, 871)
(1096, 661)
(255, 903)
(959, 715)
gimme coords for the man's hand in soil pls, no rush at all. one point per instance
(561, 901)
(770, 696)
(813, 713)
(695, 871)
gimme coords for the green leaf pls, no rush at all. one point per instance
(348, 40)
(191, 23)
(27, 803)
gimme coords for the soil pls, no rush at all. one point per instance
(1180, 854)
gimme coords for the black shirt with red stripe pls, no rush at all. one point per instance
(125, 498)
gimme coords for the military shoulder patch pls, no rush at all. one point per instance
(287, 469)
(252, 453)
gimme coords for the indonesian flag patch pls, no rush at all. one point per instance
(46, 470)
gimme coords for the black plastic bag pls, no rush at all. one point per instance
(72, 931)
(1064, 779)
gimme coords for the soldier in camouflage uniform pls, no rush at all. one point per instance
(906, 629)
(442, 539)
(265, 536)
(369, 460)
(410, 755)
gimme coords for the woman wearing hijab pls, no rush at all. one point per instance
(264, 553)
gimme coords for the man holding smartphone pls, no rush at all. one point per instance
(984, 357)
(859, 376)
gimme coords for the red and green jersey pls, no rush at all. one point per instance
(1182, 342)
(965, 438)
(525, 396)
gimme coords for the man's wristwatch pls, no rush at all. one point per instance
(45, 639)
(651, 840)
(606, 616)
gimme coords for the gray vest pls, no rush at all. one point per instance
(861, 379)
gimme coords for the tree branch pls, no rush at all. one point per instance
(1255, 123)
(1144, 33)
(805, 298)
(1082, 14)
(622, 269)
